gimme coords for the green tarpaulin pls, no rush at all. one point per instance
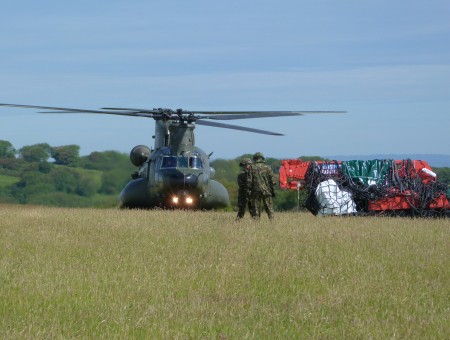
(373, 172)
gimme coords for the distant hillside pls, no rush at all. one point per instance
(438, 161)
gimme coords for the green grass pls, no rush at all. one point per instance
(8, 180)
(108, 273)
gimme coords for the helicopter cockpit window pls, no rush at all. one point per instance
(182, 162)
(169, 162)
(195, 163)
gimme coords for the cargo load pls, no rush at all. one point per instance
(393, 187)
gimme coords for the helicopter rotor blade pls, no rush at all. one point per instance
(249, 115)
(135, 110)
(227, 115)
(130, 114)
(183, 115)
(57, 110)
(63, 109)
(154, 114)
(237, 127)
(264, 112)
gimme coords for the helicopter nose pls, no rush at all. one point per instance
(183, 180)
(191, 180)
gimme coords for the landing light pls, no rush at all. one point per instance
(188, 200)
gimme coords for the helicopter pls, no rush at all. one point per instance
(175, 173)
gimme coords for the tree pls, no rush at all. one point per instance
(107, 160)
(287, 200)
(31, 183)
(35, 153)
(312, 158)
(443, 174)
(7, 150)
(66, 155)
(113, 181)
(226, 170)
(86, 186)
(45, 167)
(65, 179)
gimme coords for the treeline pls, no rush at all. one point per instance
(27, 175)
(59, 176)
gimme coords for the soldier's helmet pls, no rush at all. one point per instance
(245, 161)
(257, 156)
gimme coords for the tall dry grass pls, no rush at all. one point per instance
(68, 273)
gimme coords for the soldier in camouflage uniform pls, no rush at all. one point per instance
(263, 187)
(244, 180)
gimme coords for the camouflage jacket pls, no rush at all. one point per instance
(263, 181)
(244, 180)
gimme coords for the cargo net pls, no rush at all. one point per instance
(379, 187)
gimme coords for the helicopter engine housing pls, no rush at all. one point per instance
(140, 154)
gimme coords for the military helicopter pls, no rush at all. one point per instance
(175, 173)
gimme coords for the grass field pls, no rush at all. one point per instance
(68, 273)
(8, 180)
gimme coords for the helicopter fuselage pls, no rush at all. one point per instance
(175, 175)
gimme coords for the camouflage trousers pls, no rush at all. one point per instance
(259, 201)
(242, 204)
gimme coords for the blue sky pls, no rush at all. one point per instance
(386, 63)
